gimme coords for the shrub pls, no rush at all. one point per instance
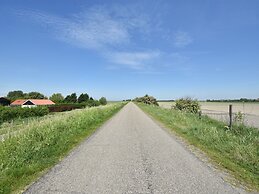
(10, 113)
(187, 105)
(65, 107)
(92, 103)
(103, 101)
(147, 100)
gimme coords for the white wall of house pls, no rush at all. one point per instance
(28, 106)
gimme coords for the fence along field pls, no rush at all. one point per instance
(219, 111)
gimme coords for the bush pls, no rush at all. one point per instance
(187, 105)
(65, 107)
(147, 100)
(10, 113)
(103, 101)
(92, 103)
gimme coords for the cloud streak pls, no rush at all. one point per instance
(182, 39)
(111, 32)
(134, 60)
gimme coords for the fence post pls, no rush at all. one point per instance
(230, 116)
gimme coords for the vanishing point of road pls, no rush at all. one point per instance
(132, 154)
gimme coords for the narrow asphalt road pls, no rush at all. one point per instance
(132, 154)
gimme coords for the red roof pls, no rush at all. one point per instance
(18, 102)
(34, 101)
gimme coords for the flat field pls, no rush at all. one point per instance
(219, 110)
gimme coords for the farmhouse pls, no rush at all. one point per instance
(32, 102)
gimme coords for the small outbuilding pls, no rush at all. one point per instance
(32, 102)
(4, 101)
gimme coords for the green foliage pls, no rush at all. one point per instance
(23, 157)
(17, 94)
(239, 118)
(10, 113)
(56, 97)
(66, 107)
(83, 98)
(103, 101)
(91, 102)
(147, 100)
(187, 105)
(71, 98)
(34, 95)
(235, 150)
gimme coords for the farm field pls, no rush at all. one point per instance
(219, 110)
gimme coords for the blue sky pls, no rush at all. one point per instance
(123, 49)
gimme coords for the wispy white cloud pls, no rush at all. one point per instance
(134, 60)
(94, 28)
(111, 31)
(182, 39)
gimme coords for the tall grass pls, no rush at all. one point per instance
(236, 150)
(25, 156)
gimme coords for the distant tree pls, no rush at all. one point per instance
(71, 98)
(56, 97)
(83, 98)
(34, 95)
(103, 101)
(91, 98)
(14, 95)
(147, 100)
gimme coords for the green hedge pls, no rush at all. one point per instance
(10, 113)
(71, 106)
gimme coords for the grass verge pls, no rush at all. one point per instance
(24, 157)
(236, 150)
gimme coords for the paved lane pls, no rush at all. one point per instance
(132, 154)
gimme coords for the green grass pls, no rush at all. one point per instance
(27, 155)
(236, 150)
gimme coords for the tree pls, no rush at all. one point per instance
(71, 98)
(103, 101)
(56, 97)
(34, 95)
(14, 95)
(83, 98)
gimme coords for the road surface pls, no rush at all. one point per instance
(132, 154)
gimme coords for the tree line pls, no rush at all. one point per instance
(56, 97)
(234, 100)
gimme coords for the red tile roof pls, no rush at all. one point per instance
(18, 102)
(42, 102)
(34, 101)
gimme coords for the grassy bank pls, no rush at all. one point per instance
(25, 156)
(236, 150)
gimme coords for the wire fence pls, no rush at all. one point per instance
(237, 117)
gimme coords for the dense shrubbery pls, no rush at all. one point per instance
(187, 105)
(9, 113)
(65, 107)
(71, 106)
(147, 100)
